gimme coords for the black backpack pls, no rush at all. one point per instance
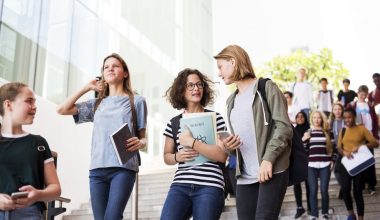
(175, 127)
(298, 158)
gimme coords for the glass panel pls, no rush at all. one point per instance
(53, 55)
(17, 56)
(83, 60)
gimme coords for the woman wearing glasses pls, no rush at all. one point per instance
(197, 190)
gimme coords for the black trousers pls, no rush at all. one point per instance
(358, 182)
(370, 175)
(266, 198)
(298, 194)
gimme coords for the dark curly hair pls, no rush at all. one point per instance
(176, 93)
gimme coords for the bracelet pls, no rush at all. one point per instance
(175, 157)
(192, 146)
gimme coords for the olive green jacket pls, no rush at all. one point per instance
(273, 130)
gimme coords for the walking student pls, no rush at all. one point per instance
(350, 140)
(260, 137)
(197, 189)
(110, 182)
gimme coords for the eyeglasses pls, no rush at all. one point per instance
(191, 86)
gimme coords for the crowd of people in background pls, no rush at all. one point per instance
(258, 147)
(339, 126)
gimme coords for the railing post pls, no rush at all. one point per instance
(135, 199)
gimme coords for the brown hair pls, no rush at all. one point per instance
(126, 83)
(176, 93)
(243, 65)
(363, 88)
(332, 116)
(9, 91)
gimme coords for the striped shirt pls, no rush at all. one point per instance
(208, 173)
(318, 156)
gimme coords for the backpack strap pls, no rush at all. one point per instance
(343, 132)
(175, 127)
(134, 121)
(261, 90)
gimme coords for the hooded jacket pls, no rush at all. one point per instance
(273, 128)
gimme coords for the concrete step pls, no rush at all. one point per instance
(154, 186)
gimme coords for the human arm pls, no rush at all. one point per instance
(172, 157)
(280, 133)
(6, 203)
(68, 106)
(136, 143)
(212, 152)
(371, 140)
(49, 193)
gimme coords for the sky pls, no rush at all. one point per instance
(268, 28)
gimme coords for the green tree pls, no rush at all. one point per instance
(283, 69)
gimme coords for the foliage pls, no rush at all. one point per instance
(283, 69)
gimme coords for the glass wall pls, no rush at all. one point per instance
(58, 46)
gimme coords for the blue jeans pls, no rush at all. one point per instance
(312, 180)
(28, 213)
(110, 189)
(185, 200)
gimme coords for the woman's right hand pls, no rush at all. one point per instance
(232, 142)
(96, 85)
(306, 136)
(186, 154)
(6, 202)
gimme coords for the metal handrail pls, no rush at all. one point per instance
(135, 199)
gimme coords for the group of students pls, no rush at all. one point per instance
(332, 134)
(260, 140)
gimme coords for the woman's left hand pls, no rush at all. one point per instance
(265, 171)
(186, 138)
(32, 197)
(134, 144)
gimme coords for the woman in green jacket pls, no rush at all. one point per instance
(260, 137)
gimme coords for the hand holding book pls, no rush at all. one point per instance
(134, 144)
(186, 138)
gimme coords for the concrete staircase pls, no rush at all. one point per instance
(153, 188)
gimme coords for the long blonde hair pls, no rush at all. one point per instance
(243, 68)
(325, 129)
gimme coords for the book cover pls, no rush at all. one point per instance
(119, 139)
(203, 128)
(360, 161)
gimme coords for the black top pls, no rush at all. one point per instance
(349, 96)
(22, 161)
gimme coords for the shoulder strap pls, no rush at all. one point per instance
(343, 132)
(134, 115)
(134, 121)
(331, 96)
(175, 127)
(261, 90)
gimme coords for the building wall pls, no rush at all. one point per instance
(58, 46)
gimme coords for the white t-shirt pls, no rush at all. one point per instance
(303, 95)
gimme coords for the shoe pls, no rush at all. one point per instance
(300, 211)
(351, 217)
(372, 191)
(313, 218)
(325, 216)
